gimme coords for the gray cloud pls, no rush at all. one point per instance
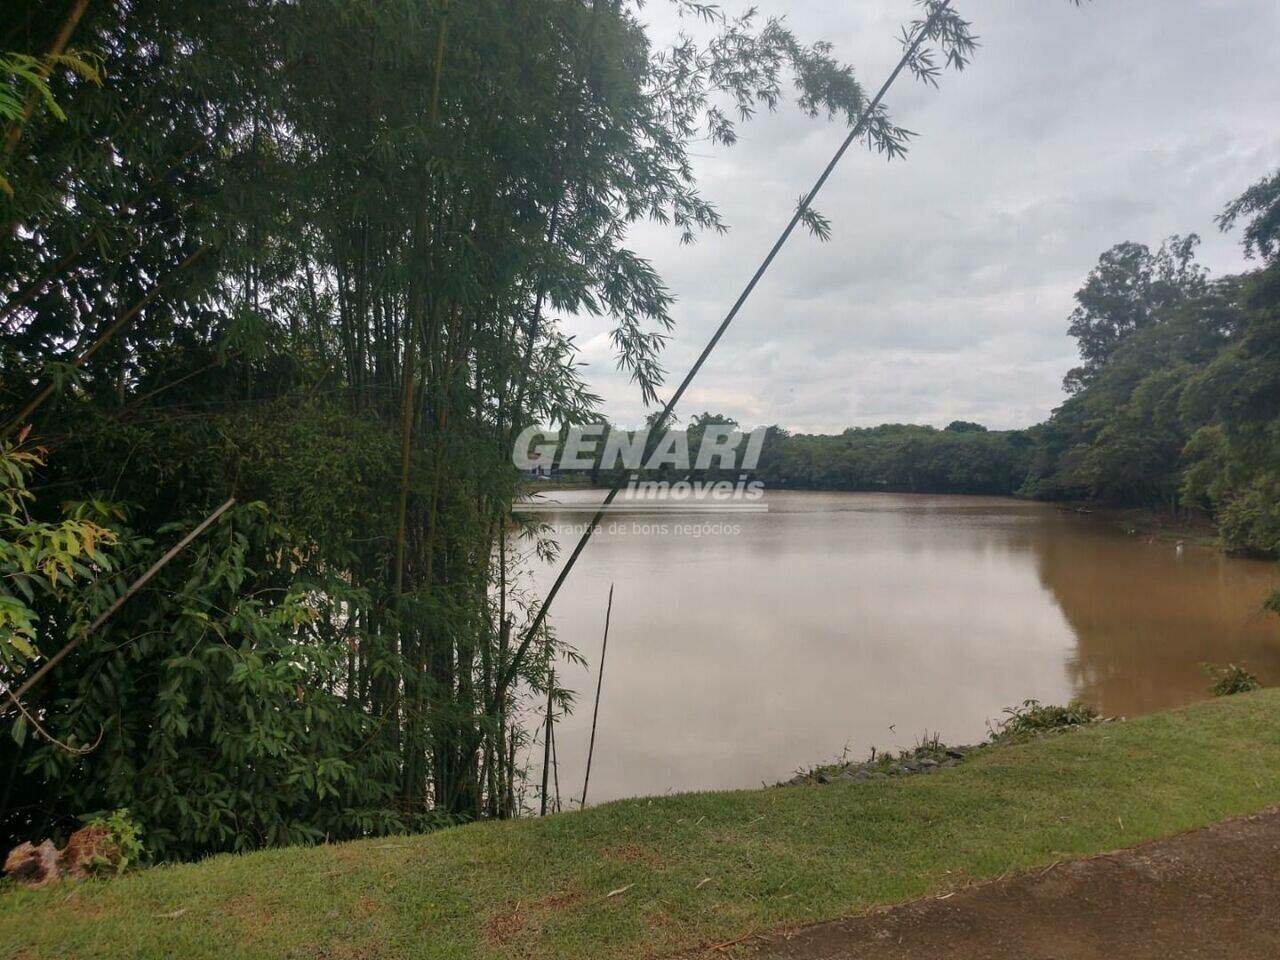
(945, 289)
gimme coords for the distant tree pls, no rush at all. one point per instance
(1127, 291)
(1262, 235)
(965, 426)
(704, 420)
(1178, 402)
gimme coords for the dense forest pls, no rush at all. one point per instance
(280, 284)
(961, 458)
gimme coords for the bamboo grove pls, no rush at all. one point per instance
(313, 255)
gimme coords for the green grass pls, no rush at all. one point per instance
(777, 857)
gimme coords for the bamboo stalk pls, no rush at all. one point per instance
(595, 714)
(411, 335)
(412, 326)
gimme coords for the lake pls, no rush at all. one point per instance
(845, 620)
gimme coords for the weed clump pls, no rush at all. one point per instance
(1231, 679)
(929, 755)
(1032, 718)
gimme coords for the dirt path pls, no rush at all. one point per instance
(1212, 893)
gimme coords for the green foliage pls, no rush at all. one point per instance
(1261, 202)
(1031, 718)
(1231, 679)
(23, 75)
(24, 82)
(899, 457)
(232, 692)
(963, 458)
(965, 426)
(125, 833)
(1178, 403)
(42, 559)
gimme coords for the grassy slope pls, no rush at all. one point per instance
(775, 857)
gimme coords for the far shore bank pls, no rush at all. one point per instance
(1191, 526)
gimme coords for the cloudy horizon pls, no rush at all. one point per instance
(945, 289)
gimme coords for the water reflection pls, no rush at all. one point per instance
(841, 620)
(1146, 617)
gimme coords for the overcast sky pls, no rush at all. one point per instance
(945, 290)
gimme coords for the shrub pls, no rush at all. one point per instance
(1231, 679)
(1032, 718)
(124, 832)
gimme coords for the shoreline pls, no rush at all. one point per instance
(1195, 527)
(675, 874)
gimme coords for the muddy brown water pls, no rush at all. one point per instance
(744, 646)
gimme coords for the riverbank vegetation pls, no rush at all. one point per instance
(646, 877)
(1177, 404)
(298, 270)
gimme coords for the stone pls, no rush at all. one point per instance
(33, 866)
(89, 852)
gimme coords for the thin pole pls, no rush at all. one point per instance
(858, 129)
(555, 767)
(137, 585)
(595, 714)
(546, 742)
(509, 802)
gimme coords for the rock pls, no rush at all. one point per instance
(927, 764)
(33, 866)
(90, 851)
